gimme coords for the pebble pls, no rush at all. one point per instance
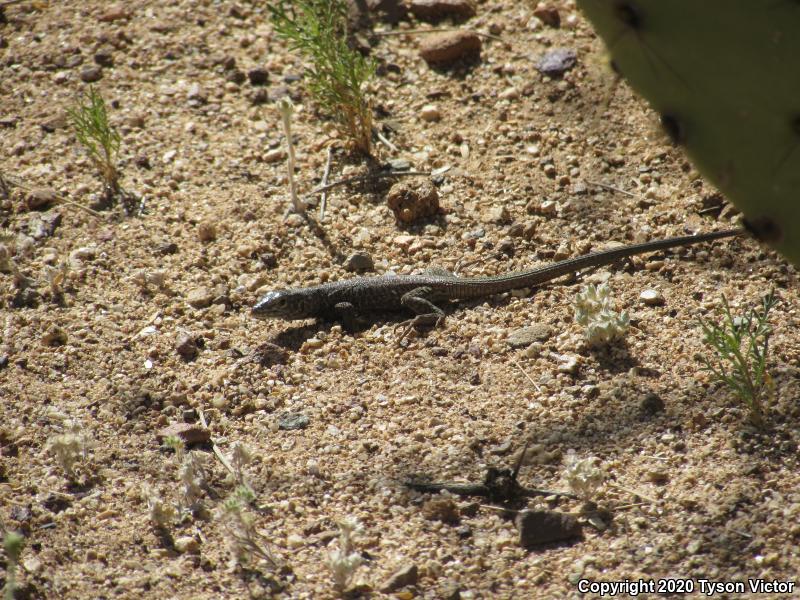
(511, 93)
(568, 364)
(430, 113)
(658, 476)
(187, 545)
(651, 298)
(651, 404)
(548, 15)
(496, 214)
(104, 57)
(206, 231)
(436, 10)
(54, 336)
(201, 297)
(40, 198)
(82, 254)
(258, 76)
(538, 527)
(358, 262)
(190, 433)
(295, 220)
(406, 576)
(441, 509)
(275, 155)
(114, 13)
(556, 62)
(525, 336)
(413, 201)
(91, 74)
(44, 225)
(446, 48)
(186, 345)
(292, 421)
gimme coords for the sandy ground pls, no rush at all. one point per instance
(148, 322)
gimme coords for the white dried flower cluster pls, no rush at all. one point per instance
(593, 310)
(582, 474)
(344, 561)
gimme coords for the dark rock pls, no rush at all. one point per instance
(104, 57)
(556, 62)
(258, 76)
(651, 404)
(548, 15)
(436, 10)
(186, 345)
(359, 262)
(91, 74)
(292, 421)
(538, 527)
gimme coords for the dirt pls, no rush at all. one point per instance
(123, 325)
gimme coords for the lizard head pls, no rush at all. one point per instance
(285, 304)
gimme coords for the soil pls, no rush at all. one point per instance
(121, 325)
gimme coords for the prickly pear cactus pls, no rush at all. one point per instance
(725, 77)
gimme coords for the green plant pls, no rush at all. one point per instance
(740, 347)
(338, 74)
(717, 72)
(98, 137)
(13, 543)
(244, 539)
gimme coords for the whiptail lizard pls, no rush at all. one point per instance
(420, 294)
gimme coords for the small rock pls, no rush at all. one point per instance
(407, 576)
(190, 433)
(206, 231)
(651, 298)
(54, 336)
(114, 13)
(658, 476)
(91, 74)
(511, 93)
(104, 57)
(186, 345)
(55, 122)
(235, 76)
(201, 297)
(436, 10)
(40, 198)
(292, 421)
(404, 241)
(556, 62)
(430, 113)
(447, 48)
(525, 336)
(197, 94)
(548, 15)
(295, 220)
(538, 527)
(410, 202)
(496, 214)
(44, 225)
(83, 254)
(187, 545)
(568, 364)
(651, 404)
(441, 509)
(258, 76)
(359, 262)
(275, 155)
(166, 248)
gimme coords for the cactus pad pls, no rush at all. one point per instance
(725, 77)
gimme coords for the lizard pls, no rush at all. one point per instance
(421, 294)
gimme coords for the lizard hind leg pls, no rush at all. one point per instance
(427, 313)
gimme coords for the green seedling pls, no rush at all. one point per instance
(740, 346)
(244, 540)
(338, 74)
(98, 137)
(13, 543)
